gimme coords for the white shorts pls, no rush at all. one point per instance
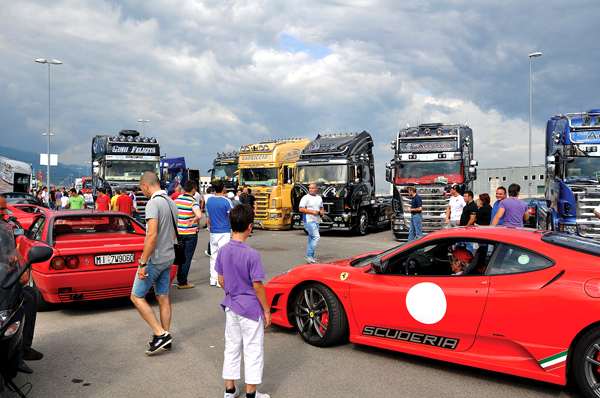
(243, 335)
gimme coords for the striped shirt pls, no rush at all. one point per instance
(185, 214)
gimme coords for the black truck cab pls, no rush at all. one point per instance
(343, 168)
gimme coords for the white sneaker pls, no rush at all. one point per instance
(232, 395)
(310, 260)
(206, 253)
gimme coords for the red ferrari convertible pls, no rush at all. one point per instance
(515, 301)
(95, 255)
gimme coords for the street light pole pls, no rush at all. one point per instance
(531, 56)
(49, 133)
(143, 121)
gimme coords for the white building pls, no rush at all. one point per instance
(489, 179)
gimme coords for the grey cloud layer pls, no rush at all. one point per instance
(213, 75)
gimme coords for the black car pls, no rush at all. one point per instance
(14, 198)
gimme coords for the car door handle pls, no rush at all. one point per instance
(484, 282)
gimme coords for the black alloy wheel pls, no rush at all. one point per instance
(585, 363)
(319, 316)
(363, 223)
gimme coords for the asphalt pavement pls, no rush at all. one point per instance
(97, 349)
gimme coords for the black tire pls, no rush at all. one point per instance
(319, 316)
(362, 223)
(585, 363)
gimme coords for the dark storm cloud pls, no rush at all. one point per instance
(218, 74)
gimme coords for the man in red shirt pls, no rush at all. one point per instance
(102, 201)
(125, 204)
(177, 192)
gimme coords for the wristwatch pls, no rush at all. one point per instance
(141, 263)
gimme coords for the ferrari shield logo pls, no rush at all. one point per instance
(343, 276)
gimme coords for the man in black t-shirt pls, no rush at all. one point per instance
(246, 197)
(469, 214)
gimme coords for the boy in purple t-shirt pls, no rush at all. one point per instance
(240, 272)
(512, 211)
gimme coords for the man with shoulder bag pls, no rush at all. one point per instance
(160, 249)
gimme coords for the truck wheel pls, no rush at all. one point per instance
(362, 226)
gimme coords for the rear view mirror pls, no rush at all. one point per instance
(36, 254)
(39, 254)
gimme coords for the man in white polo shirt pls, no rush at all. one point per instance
(311, 206)
(455, 207)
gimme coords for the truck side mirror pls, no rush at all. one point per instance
(388, 173)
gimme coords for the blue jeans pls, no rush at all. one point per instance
(415, 231)
(313, 238)
(157, 276)
(189, 247)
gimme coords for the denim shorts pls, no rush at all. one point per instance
(157, 276)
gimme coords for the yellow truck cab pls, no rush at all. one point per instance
(267, 168)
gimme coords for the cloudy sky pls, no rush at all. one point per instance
(212, 75)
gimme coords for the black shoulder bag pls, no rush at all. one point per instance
(178, 246)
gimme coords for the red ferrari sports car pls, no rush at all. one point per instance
(516, 301)
(95, 255)
(25, 213)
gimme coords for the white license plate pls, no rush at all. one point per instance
(113, 259)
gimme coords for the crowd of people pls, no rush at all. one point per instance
(464, 210)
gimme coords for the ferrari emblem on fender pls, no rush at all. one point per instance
(343, 276)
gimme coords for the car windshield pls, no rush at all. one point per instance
(8, 253)
(583, 168)
(322, 174)
(130, 170)
(451, 171)
(362, 262)
(259, 176)
(92, 224)
(224, 172)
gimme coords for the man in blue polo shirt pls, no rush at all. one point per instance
(217, 211)
(500, 196)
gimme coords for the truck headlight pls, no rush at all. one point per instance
(568, 228)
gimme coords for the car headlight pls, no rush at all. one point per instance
(12, 329)
(4, 315)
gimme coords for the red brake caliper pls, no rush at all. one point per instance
(597, 358)
(325, 321)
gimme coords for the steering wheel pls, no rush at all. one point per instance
(417, 262)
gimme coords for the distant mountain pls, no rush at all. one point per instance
(63, 174)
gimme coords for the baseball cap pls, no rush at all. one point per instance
(230, 195)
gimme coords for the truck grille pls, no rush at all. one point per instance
(140, 204)
(261, 204)
(434, 205)
(588, 198)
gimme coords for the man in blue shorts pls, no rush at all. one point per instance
(155, 262)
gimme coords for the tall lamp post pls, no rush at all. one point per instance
(531, 57)
(49, 133)
(143, 122)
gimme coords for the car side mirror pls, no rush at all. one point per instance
(36, 254)
(39, 254)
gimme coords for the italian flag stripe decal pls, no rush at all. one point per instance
(553, 360)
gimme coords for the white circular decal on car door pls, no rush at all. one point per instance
(426, 303)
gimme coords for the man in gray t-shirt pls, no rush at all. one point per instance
(155, 262)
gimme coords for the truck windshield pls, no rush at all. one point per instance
(323, 174)
(259, 176)
(583, 168)
(429, 172)
(128, 170)
(224, 172)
